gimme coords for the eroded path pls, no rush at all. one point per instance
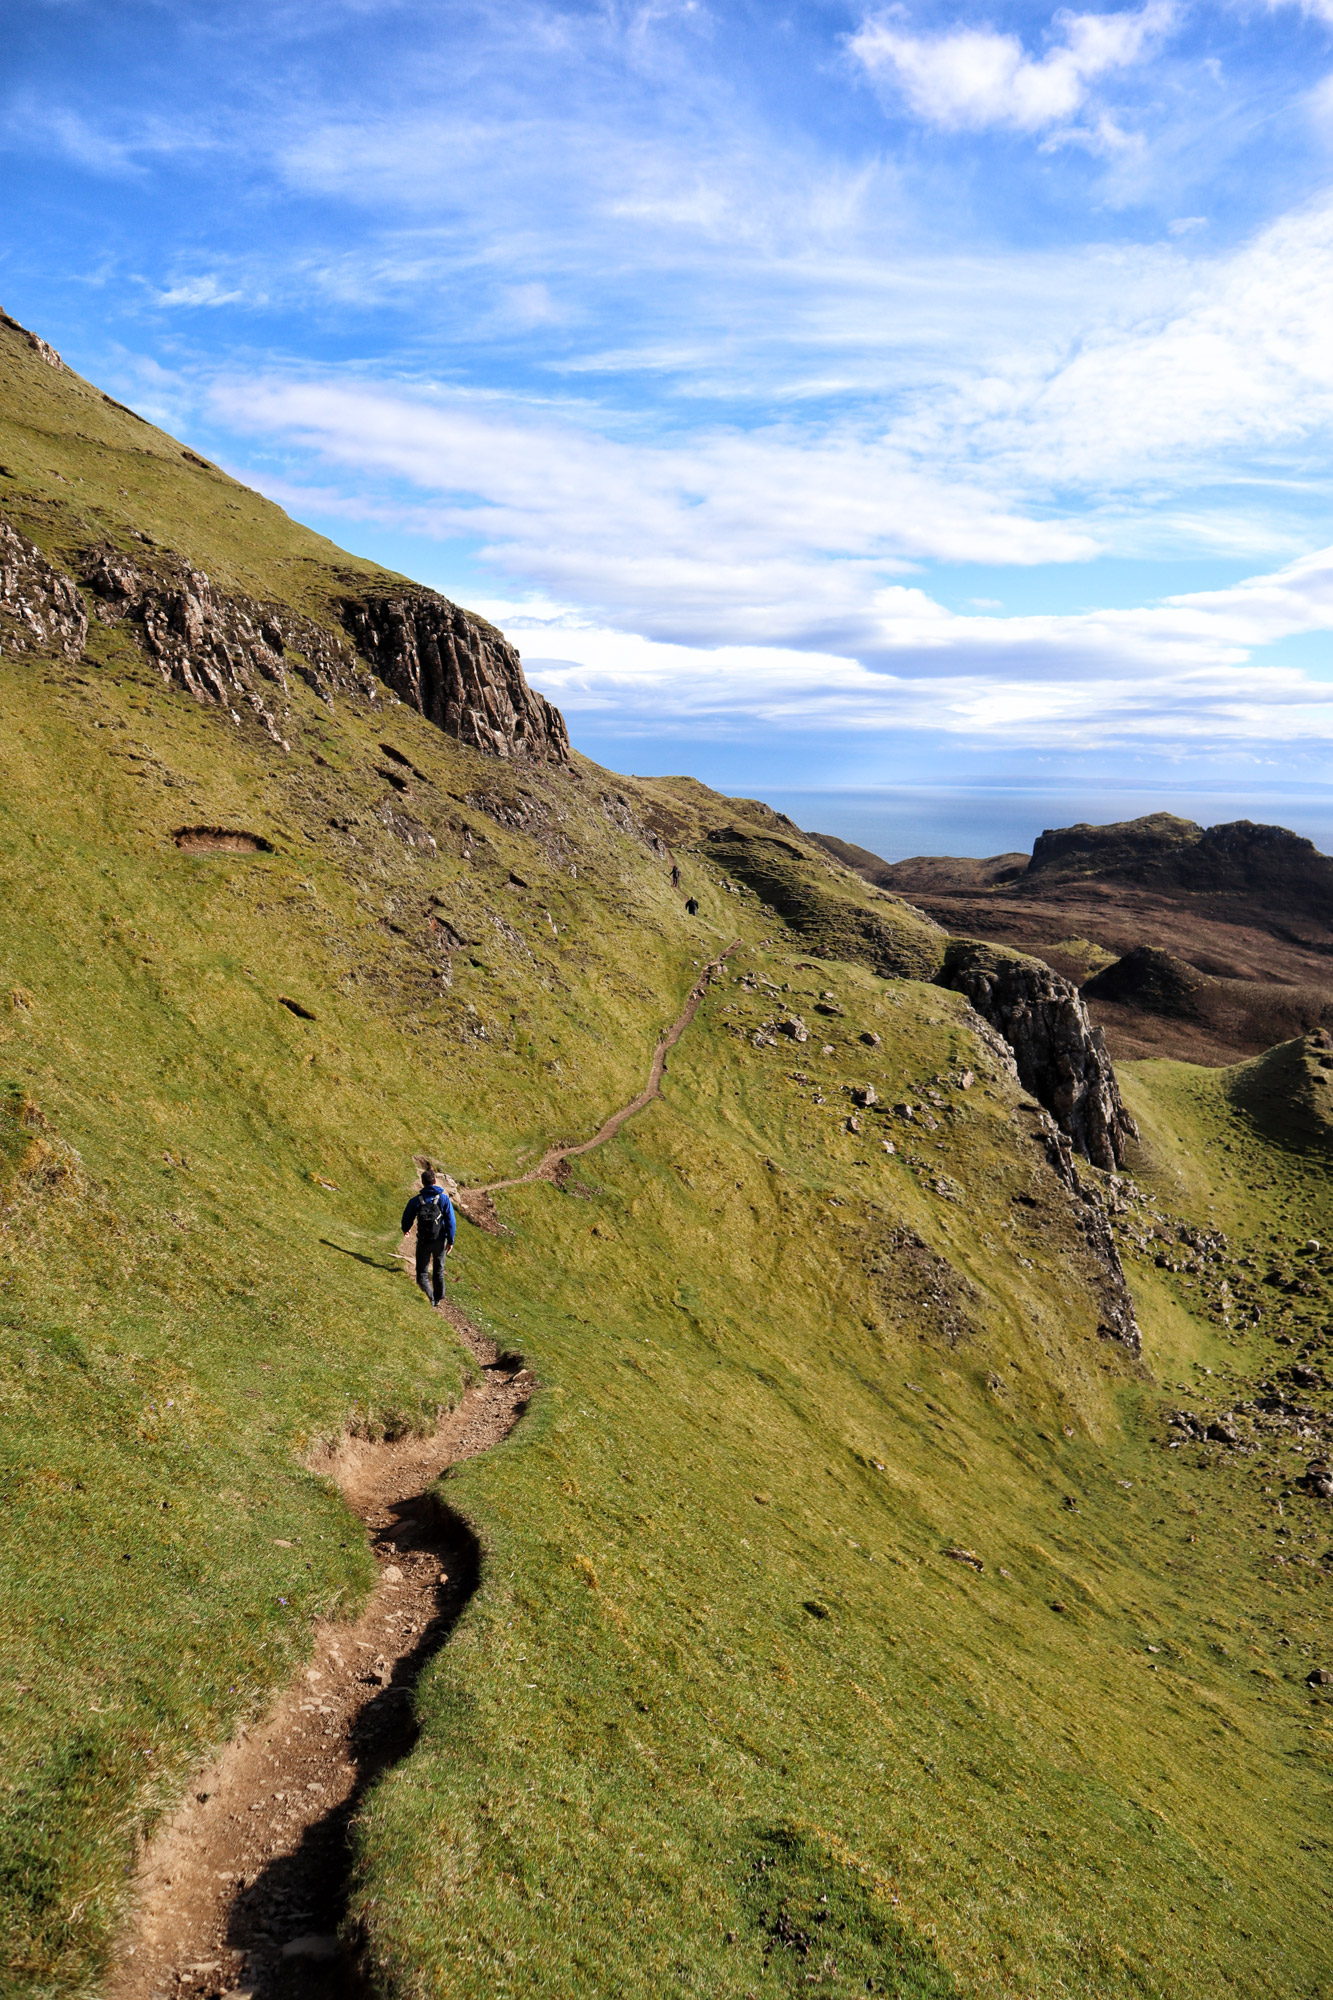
(476, 1203)
(243, 1888)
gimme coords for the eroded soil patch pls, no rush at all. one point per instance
(220, 840)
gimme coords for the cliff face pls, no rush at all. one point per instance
(1237, 858)
(1061, 1057)
(227, 648)
(457, 671)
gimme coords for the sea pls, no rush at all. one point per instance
(983, 820)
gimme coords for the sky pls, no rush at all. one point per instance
(826, 398)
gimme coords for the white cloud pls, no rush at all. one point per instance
(782, 531)
(1165, 676)
(972, 78)
(204, 290)
(1322, 10)
(768, 536)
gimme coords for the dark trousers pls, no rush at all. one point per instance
(430, 1267)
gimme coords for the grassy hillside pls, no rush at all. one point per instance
(837, 1557)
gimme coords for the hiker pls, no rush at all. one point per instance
(675, 875)
(433, 1213)
(692, 906)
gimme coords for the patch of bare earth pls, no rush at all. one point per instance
(242, 1889)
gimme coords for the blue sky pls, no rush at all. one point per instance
(821, 395)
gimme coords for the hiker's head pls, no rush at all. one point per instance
(427, 1177)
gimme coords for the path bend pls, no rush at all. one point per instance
(476, 1202)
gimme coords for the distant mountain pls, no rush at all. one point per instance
(1245, 909)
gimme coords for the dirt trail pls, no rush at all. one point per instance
(476, 1202)
(242, 1889)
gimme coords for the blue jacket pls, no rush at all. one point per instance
(419, 1201)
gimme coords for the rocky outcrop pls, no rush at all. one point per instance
(41, 348)
(1115, 1306)
(457, 671)
(1283, 871)
(1061, 1057)
(41, 610)
(221, 647)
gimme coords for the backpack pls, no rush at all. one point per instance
(430, 1216)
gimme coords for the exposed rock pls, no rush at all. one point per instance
(408, 830)
(794, 1027)
(865, 1095)
(1116, 1317)
(41, 610)
(1160, 849)
(1319, 1677)
(618, 808)
(457, 671)
(1061, 1057)
(220, 646)
(40, 347)
(1222, 1432)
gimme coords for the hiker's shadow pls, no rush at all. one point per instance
(304, 1893)
(375, 1263)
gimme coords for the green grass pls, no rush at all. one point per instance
(642, 1684)
(721, 1665)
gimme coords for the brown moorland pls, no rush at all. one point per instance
(1203, 944)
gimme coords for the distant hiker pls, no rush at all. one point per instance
(675, 875)
(691, 906)
(433, 1213)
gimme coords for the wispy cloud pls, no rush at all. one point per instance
(746, 369)
(784, 529)
(203, 290)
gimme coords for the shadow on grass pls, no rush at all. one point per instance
(375, 1263)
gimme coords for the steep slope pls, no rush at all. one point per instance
(850, 1602)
